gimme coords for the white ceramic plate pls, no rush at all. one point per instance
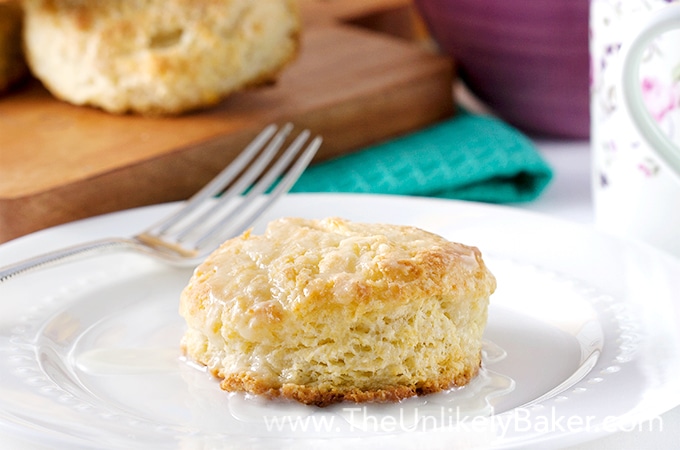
(582, 340)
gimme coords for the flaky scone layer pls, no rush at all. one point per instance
(322, 311)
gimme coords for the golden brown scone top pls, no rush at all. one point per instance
(337, 261)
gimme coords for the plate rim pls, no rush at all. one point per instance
(26, 241)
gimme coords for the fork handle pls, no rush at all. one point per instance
(64, 255)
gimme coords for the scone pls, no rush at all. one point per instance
(12, 64)
(157, 57)
(322, 311)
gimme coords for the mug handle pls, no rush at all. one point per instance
(662, 21)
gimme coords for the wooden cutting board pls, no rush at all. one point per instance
(353, 85)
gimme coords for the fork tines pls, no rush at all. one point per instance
(243, 191)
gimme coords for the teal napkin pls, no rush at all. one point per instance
(468, 157)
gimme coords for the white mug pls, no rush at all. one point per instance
(635, 119)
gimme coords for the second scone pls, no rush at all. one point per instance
(157, 57)
(322, 311)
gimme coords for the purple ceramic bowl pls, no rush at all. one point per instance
(527, 59)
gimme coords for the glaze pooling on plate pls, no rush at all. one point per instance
(608, 345)
(602, 352)
(95, 357)
(425, 413)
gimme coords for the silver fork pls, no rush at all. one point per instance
(204, 221)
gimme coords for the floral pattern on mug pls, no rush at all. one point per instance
(634, 192)
(660, 96)
(648, 167)
(660, 85)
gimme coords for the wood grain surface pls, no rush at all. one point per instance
(360, 78)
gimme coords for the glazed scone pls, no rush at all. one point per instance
(158, 57)
(12, 64)
(322, 311)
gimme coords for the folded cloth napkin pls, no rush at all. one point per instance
(469, 157)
